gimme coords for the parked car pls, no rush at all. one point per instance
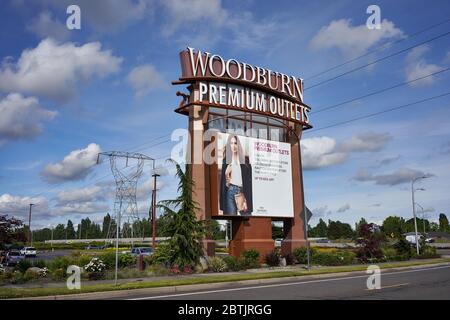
(28, 251)
(92, 247)
(146, 251)
(13, 257)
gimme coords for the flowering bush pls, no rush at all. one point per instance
(95, 265)
(43, 272)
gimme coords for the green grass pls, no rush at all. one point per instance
(8, 293)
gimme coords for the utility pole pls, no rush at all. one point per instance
(414, 209)
(29, 225)
(155, 175)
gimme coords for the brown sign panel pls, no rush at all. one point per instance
(196, 66)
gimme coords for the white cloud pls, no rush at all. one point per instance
(45, 26)
(200, 24)
(144, 79)
(400, 176)
(319, 152)
(81, 195)
(21, 118)
(353, 40)
(417, 66)
(188, 11)
(75, 166)
(53, 70)
(107, 15)
(321, 212)
(344, 208)
(81, 208)
(19, 206)
(144, 191)
(366, 142)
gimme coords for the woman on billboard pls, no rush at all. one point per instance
(235, 180)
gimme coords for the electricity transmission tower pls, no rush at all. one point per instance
(126, 168)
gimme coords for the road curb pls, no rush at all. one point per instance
(215, 285)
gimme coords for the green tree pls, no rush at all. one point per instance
(358, 226)
(443, 223)
(11, 231)
(339, 230)
(186, 231)
(70, 230)
(60, 232)
(320, 230)
(394, 226)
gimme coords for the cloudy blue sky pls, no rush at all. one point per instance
(66, 95)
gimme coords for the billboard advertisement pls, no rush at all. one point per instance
(254, 177)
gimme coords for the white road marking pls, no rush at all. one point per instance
(281, 284)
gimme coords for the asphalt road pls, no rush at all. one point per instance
(417, 283)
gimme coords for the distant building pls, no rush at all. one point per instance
(435, 235)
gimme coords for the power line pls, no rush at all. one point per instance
(378, 60)
(379, 112)
(386, 45)
(103, 177)
(380, 91)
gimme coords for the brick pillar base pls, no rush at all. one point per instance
(252, 233)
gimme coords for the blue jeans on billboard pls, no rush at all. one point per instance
(231, 207)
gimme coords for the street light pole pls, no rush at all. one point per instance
(29, 225)
(414, 210)
(423, 215)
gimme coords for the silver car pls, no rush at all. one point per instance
(13, 257)
(145, 251)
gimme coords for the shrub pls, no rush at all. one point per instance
(126, 260)
(290, 259)
(149, 260)
(428, 252)
(389, 253)
(95, 265)
(163, 254)
(109, 259)
(23, 265)
(370, 243)
(58, 274)
(40, 264)
(233, 263)
(250, 259)
(338, 258)
(62, 263)
(301, 255)
(16, 277)
(217, 264)
(403, 247)
(273, 258)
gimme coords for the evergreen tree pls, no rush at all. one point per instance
(60, 232)
(443, 223)
(185, 244)
(70, 230)
(322, 229)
